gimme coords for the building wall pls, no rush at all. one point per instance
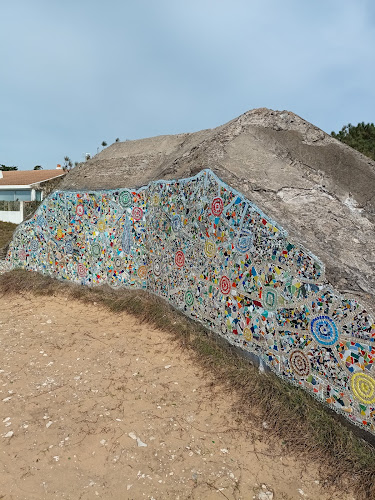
(214, 255)
(16, 217)
(11, 211)
(17, 211)
(47, 187)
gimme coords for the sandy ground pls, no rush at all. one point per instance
(96, 405)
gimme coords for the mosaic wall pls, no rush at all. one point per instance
(214, 255)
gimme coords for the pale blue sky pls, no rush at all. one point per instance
(76, 72)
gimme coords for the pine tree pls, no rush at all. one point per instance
(4, 168)
(360, 137)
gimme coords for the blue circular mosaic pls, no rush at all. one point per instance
(176, 223)
(69, 247)
(34, 247)
(155, 223)
(324, 330)
(244, 241)
(40, 220)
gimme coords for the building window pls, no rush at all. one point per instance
(14, 195)
(24, 195)
(7, 195)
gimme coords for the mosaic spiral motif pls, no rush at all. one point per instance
(155, 200)
(81, 270)
(40, 220)
(34, 247)
(137, 213)
(211, 253)
(248, 336)
(156, 267)
(68, 247)
(189, 298)
(118, 263)
(80, 210)
(95, 249)
(179, 259)
(210, 249)
(217, 206)
(324, 330)
(363, 388)
(142, 272)
(176, 223)
(244, 241)
(125, 199)
(225, 285)
(299, 363)
(22, 254)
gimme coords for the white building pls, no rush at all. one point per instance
(19, 187)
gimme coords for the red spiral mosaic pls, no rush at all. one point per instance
(137, 213)
(80, 210)
(299, 363)
(81, 270)
(21, 254)
(217, 206)
(179, 259)
(225, 285)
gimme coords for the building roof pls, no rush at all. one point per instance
(28, 177)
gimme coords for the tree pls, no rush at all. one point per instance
(4, 168)
(104, 144)
(360, 137)
(38, 167)
(118, 139)
(67, 164)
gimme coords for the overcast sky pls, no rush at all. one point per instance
(76, 72)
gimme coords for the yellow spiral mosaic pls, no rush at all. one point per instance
(101, 226)
(210, 249)
(155, 200)
(248, 334)
(363, 387)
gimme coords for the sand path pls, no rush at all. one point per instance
(96, 405)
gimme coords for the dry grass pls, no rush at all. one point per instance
(6, 232)
(305, 426)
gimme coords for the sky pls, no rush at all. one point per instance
(74, 73)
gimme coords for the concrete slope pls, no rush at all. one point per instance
(317, 188)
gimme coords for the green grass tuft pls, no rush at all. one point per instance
(6, 233)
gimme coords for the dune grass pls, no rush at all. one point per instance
(305, 426)
(6, 232)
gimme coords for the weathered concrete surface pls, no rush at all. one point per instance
(320, 190)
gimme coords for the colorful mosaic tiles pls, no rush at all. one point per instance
(214, 255)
